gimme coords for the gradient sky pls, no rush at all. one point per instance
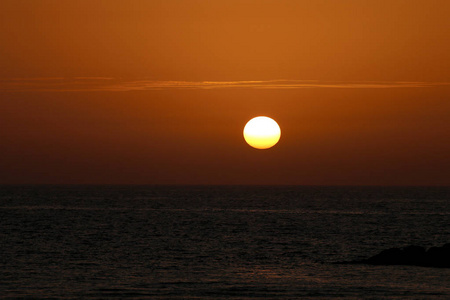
(158, 92)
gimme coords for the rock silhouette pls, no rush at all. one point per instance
(438, 257)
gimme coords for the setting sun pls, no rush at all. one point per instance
(262, 132)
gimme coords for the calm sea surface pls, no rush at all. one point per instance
(217, 242)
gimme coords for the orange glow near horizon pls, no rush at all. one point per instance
(158, 92)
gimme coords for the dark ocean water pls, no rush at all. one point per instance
(220, 242)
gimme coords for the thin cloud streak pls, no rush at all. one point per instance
(107, 84)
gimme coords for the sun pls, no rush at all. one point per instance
(262, 132)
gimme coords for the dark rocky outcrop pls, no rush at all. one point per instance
(438, 257)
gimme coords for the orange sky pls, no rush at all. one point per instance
(158, 92)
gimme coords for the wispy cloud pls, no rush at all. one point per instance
(79, 84)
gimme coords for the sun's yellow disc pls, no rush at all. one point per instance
(262, 132)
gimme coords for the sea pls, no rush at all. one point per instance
(217, 242)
